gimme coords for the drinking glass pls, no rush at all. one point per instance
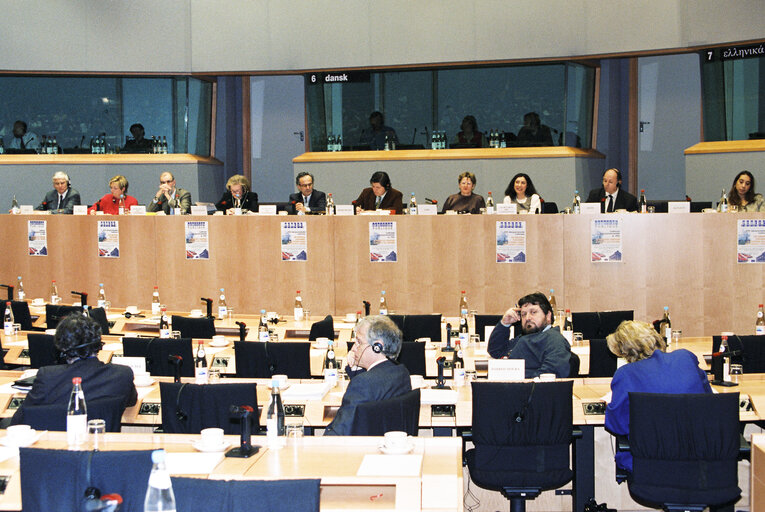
(96, 429)
(578, 339)
(736, 371)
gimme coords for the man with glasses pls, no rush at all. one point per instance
(168, 198)
(62, 198)
(307, 200)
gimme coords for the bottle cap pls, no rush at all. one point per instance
(7, 303)
(221, 290)
(298, 292)
(275, 384)
(77, 380)
(463, 291)
(666, 308)
(262, 311)
(383, 292)
(100, 284)
(156, 287)
(158, 456)
(760, 305)
(642, 190)
(552, 291)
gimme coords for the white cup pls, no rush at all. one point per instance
(219, 339)
(133, 310)
(322, 342)
(396, 440)
(212, 437)
(281, 379)
(546, 377)
(18, 433)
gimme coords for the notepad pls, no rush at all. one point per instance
(306, 391)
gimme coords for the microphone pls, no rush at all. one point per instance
(242, 330)
(245, 448)
(414, 134)
(208, 304)
(367, 307)
(448, 347)
(427, 134)
(81, 141)
(176, 362)
(440, 382)
(10, 290)
(431, 201)
(688, 198)
(83, 297)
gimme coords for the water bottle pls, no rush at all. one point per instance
(20, 290)
(8, 320)
(222, 307)
(413, 205)
(159, 493)
(76, 415)
(101, 296)
(298, 309)
(155, 304)
(15, 208)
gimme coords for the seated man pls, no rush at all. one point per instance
(611, 196)
(63, 198)
(308, 200)
(23, 139)
(380, 196)
(378, 343)
(78, 338)
(138, 144)
(541, 345)
(168, 197)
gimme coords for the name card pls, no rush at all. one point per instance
(26, 209)
(267, 209)
(137, 364)
(507, 369)
(503, 208)
(80, 209)
(427, 209)
(569, 335)
(343, 209)
(138, 210)
(590, 208)
(199, 210)
(679, 207)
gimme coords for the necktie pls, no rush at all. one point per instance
(610, 203)
(377, 202)
(60, 200)
(23, 146)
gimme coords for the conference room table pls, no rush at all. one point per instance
(354, 473)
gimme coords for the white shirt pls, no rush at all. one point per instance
(30, 141)
(614, 199)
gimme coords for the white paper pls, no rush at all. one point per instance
(504, 208)
(590, 208)
(390, 465)
(507, 369)
(606, 240)
(382, 242)
(294, 241)
(80, 209)
(197, 240)
(192, 463)
(37, 231)
(138, 209)
(26, 209)
(267, 209)
(679, 207)
(108, 233)
(306, 391)
(343, 209)
(137, 364)
(438, 396)
(199, 210)
(511, 241)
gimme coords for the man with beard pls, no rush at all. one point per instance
(541, 345)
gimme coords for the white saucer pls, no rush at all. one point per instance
(218, 343)
(320, 346)
(397, 451)
(21, 443)
(193, 315)
(141, 383)
(38, 304)
(197, 443)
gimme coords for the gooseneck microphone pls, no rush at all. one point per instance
(245, 448)
(83, 297)
(431, 201)
(208, 305)
(176, 362)
(242, 330)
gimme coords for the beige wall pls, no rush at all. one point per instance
(269, 35)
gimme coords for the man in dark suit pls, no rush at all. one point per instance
(378, 343)
(63, 198)
(611, 196)
(380, 196)
(78, 338)
(168, 197)
(308, 200)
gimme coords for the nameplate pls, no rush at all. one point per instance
(80, 209)
(507, 369)
(569, 335)
(26, 209)
(199, 210)
(590, 208)
(679, 207)
(267, 209)
(138, 210)
(427, 209)
(343, 209)
(503, 208)
(137, 364)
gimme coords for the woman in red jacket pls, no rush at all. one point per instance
(110, 204)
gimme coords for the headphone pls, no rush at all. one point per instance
(179, 412)
(70, 352)
(520, 415)
(377, 347)
(618, 176)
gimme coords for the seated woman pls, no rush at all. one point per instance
(650, 370)
(238, 195)
(465, 201)
(469, 137)
(743, 196)
(521, 191)
(110, 204)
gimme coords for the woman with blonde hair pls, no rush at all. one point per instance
(111, 203)
(238, 195)
(649, 369)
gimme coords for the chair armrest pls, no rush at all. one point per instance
(744, 449)
(577, 433)
(622, 443)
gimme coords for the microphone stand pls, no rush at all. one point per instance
(242, 330)
(367, 307)
(208, 305)
(245, 448)
(83, 297)
(440, 381)
(176, 362)
(448, 347)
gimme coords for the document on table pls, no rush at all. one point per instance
(306, 391)
(390, 465)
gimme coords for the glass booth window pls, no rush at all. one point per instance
(95, 114)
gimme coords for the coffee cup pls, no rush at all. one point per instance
(396, 440)
(196, 313)
(330, 376)
(459, 376)
(322, 342)
(546, 377)
(350, 317)
(219, 339)
(281, 379)
(133, 310)
(18, 433)
(212, 437)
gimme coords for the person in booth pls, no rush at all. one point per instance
(78, 339)
(649, 369)
(110, 203)
(372, 367)
(168, 197)
(541, 346)
(379, 132)
(308, 199)
(521, 191)
(611, 196)
(63, 198)
(380, 196)
(138, 144)
(469, 136)
(23, 139)
(238, 195)
(465, 201)
(533, 132)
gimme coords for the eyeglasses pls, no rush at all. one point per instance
(166, 182)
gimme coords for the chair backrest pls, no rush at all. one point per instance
(684, 447)
(573, 364)
(53, 417)
(522, 432)
(194, 327)
(699, 206)
(42, 351)
(99, 315)
(66, 472)
(157, 350)
(483, 321)
(322, 329)
(662, 206)
(255, 359)
(599, 324)
(752, 349)
(422, 326)
(412, 356)
(378, 417)
(189, 408)
(549, 207)
(55, 313)
(21, 314)
(602, 360)
(398, 320)
(251, 495)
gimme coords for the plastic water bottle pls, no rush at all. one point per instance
(159, 493)
(101, 296)
(20, 290)
(76, 415)
(156, 306)
(222, 306)
(298, 309)
(383, 304)
(8, 320)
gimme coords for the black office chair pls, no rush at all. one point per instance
(422, 326)
(752, 348)
(602, 360)
(53, 417)
(483, 321)
(189, 408)
(522, 432)
(599, 324)
(299, 495)
(573, 364)
(55, 313)
(68, 473)
(99, 315)
(375, 418)
(412, 356)
(21, 315)
(398, 320)
(549, 207)
(700, 206)
(322, 329)
(685, 449)
(255, 359)
(42, 351)
(661, 206)
(194, 327)
(157, 350)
